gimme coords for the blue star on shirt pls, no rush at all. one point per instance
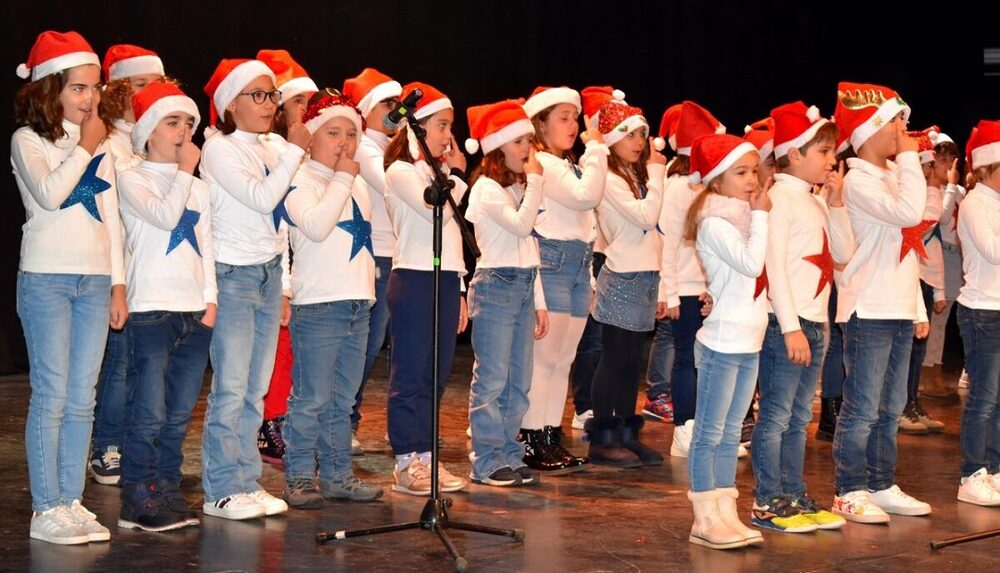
(184, 231)
(280, 213)
(87, 189)
(359, 229)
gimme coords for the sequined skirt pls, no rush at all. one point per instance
(627, 300)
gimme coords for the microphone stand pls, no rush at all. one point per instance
(434, 516)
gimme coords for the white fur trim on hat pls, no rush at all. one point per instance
(507, 133)
(631, 123)
(672, 140)
(927, 156)
(238, 78)
(379, 93)
(986, 155)
(137, 66)
(551, 97)
(294, 87)
(160, 109)
(937, 137)
(331, 112)
(766, 150)
(803, 138)
(878, 120)
(58, 64)
(433, 107)
(727, 162)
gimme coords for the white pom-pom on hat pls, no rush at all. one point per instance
(694, 178)
(659, 144)
(747, 129)
(933, 135)
(471, 146)
(618, 95)
(720, 129)
(813, 113)
(23, 71)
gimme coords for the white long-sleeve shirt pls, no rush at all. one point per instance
(979, 231)
(67, 239)
(950, 202)
(683, 272)
(568, 199)
(630, 225)
(332, 219)
(370, 157)
(733, 262)
(120, 142)
(159, 206)
(412, 219)
(876, 284)
(932, 267)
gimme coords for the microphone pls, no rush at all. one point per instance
(403, 109)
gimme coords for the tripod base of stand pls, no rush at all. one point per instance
(434, 517)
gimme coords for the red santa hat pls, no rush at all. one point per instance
(126, 61)
(229, 79)
(616, 120)
(761, 135)
(54, 52)
(290, 78)
(925, 146)
(492, 125)
(794, 126)
(370, 87)
(984, 144)
(668, 125)
(432, 102)
(695, 121)
(594, 98)
(863, 109)
(712, 154)
(155, 102)
(330, 106)
(546, 97)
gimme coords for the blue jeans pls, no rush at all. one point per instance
(566, 268)
(378, 328)
(410, 364)
(786, 396)
(328, 342)
(980, 430)
(919, 350)
(832, 382)
(168, 353)
(502, 309)
(65, 323)
(685, 374)
(109, 414)
(876, 355)
(661, 360)
(242, 352)
(726, 384)
(588, 353)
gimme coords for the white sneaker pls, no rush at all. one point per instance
(995, 481)
(682, 440)
(87, 522)
(894, 500)
(963, 380)
(356, 449)
(272, 505)
(978, 489)
(57, 525)
(858, 506)
(742, 452)
(237, 507)
(579, 420)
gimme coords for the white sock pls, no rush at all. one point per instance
(403, 461)
(425, 458)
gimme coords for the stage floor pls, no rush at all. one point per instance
(598, 520)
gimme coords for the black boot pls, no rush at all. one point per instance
(630, 439)
(828, 411)
(606, 444)
(553, 436)
(144, 507)
(537, 455)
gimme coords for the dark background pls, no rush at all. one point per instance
(739, 59)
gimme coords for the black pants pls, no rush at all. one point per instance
(616, 381)
(588, 354)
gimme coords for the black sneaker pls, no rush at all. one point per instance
(269, 442)
(144, 507)
(746, 433)
(528, 476)
(503, 477)
(105, 466)
(176, 501)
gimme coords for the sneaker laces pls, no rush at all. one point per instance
(919, 411)
(782, 507)
(274, 433)
(902, 495)
(303, 485)
(111, 458)
(806, 504)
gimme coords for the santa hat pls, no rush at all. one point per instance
(925, 146)
(712, 154)
(761, 135)
(594, 98)
(794, 126)
(545, 97)
(369, 88)
(938, 137)
(843, 143)
(54, 52)
(155, 102)
(984, 144)
(492, 125)
(695, 121)
(229, 79)
(291, 79)
(863, 109)
(432, 102)
(616, 120)
(330, 106)
(668, 125)
(126, 61)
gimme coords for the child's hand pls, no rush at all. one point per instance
(834, 187)
(347, 165)
(92, 131)
(939, 306)
(905, 143)
(541, 324)
(760, 200)
(211, 314)
(455, 158)
(673, 313)
(532, 165)
(953, 173)
(119, 308)
(661, 310)
(707, 303)
(299, 135)
(286, 311)
(188, 155)
(463, 315)
(922, 329)
(798, 349)
(655, 157)
(591, 134)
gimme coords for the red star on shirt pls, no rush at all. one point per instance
(761, 284)
(913, 239)
(824, 261)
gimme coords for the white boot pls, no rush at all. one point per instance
(731, 517)
(709, 529)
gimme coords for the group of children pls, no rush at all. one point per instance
(308, 210)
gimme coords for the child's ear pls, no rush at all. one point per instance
(794, 155)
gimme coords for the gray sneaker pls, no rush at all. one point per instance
(301, 493)
(351, 489)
